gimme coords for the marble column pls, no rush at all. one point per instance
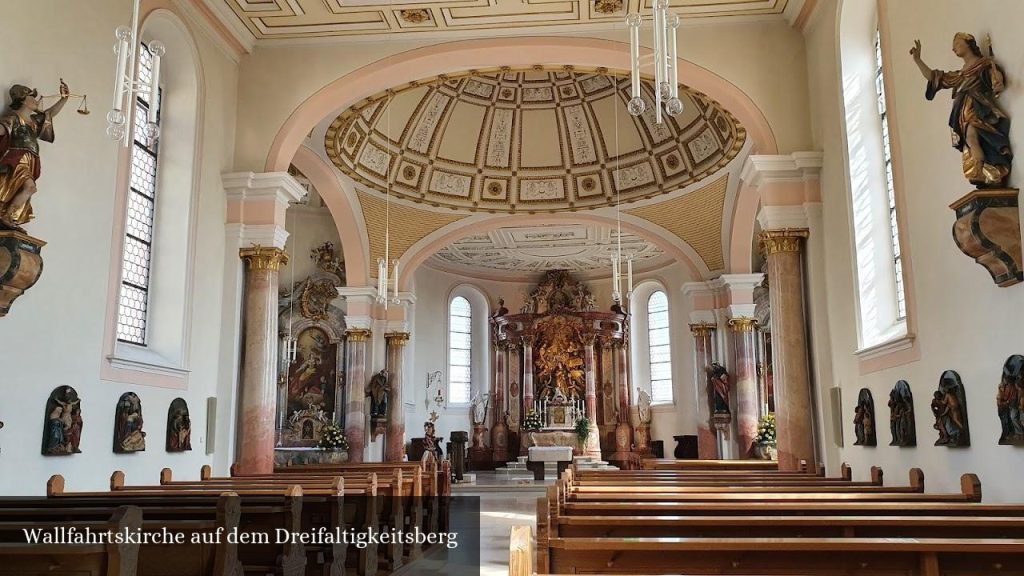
(528, 392)
(355, 380)
(593, 445)
(258, 390)
(394, 450)
(745, 381)
(793, 406)
(703, 346)
(499, 430)
(623, 430)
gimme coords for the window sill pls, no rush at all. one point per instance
(139, 359)
(663, 406)
(896, 351)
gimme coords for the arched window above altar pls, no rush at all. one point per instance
(460, 350)
(660, 348)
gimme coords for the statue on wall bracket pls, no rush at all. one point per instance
(62, 430)
(378, 391)
(902, 424)
(1010, 402)
(864, 419)
(718, 378)
(987, 227)
(949, 406)
(22, 126)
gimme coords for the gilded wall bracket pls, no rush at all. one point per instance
(987, 228)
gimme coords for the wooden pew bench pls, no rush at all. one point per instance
(18, 558)
(185, 557)
(263, 510)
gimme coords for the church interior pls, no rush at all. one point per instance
(641, 280)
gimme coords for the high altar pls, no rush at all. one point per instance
(564, 359)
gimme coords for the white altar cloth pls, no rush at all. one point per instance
(550, 453)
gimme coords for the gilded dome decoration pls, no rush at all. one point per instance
(540, 140)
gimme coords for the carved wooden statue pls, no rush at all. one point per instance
(378, 391)
(949, 406)
(1010, 402)
(179, 427)
(21, 128)
(902, 424)
(430, 441)
(62, 431)
(718, 377)
(864, 419)
(979, 128)
(128, 433)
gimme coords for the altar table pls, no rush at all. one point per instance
(538, 455)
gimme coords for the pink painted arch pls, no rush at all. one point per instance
(458, 56)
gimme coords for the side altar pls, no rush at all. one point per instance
(565, 360)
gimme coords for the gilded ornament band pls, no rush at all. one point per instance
(397, 338)
(702, 329)
(357, 335)
(743, 324)
(263, 258)
(787, 240)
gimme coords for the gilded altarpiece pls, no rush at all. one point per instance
(311, 371)
(558, 323)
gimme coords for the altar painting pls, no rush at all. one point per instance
(313, 377)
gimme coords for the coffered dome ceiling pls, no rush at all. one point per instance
(507, 141)
(576, 247)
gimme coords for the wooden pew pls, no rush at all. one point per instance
(188, 558)
(20, 558)
(263, 510)
(660, 479)
(671, 464)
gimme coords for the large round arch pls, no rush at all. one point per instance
(459, 56)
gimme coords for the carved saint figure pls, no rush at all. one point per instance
(949, 406)
(21, 129)
(479, 410)
(63, 429)
(179, 427)
(430, 442)
(378, 391)
(979, 128)
(643, 403)
(128, 433)
(1010, 401)
(901, 415)
(864, 419)
(718, 378)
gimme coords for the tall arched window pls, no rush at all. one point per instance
(660, 348)
(460, 350)
(133, 306)
(882, 267)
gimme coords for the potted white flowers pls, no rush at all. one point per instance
(764, 442)
(333, 441)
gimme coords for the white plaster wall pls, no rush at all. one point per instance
(764, 59)
(308, 227)
(965, 322)
(429, 349)
(53, 335)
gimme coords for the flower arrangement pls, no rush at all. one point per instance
(582, 430)
(766, 431)
(532, 423)
(332, 437)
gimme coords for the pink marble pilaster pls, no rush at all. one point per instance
(707, 441)
(528, 392)
(745, 382)
(394, 449)
(499, 431)
(593, 447)
(623, 430)
(355, 407)
(793, 409)
(258, 390)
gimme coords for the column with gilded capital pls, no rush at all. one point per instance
(793, 406)
(394, 450)
(499, 430)
(593, 446)
(258, 390)
(745, 381)
(355, 376)
(703, 346)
